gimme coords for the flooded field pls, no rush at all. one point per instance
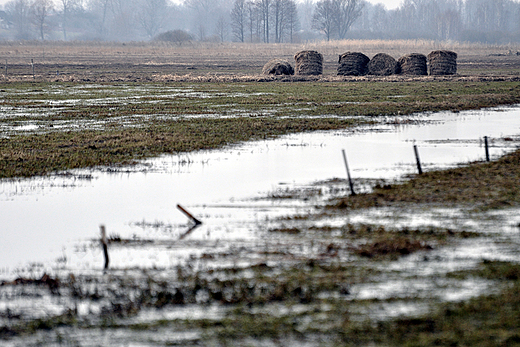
(262, 254)
(229, 189)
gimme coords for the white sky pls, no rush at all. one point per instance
(390, 4)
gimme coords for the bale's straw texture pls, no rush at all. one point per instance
(442, 63)
(353, 64)
(278, 67)
(309, 63)
(382, 64)
(413, 64)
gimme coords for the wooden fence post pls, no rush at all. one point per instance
(417, 159)
(486, 145)
(104, 243)
(351, 184)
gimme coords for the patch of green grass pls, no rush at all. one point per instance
(41, 154)
(480, 186)
(121, 123)
(488, 320)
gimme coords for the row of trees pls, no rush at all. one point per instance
(260, 20)
(336, 17)
(86, 19)
(493, 21)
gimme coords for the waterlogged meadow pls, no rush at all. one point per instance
(410, 260)
(47, 127)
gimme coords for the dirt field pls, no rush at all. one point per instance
(106, 62)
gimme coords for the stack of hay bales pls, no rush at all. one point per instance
(382, 64)
(278, 67)
(442, 63)
(309, 63)
(353, 64)
(413, 64)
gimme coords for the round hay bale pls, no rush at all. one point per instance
(413, 64)
(382, 64)
(309, 63)
(278, 67)
(353, 64)
(442, 63)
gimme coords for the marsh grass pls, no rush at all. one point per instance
(264, 301)
(119, 124)
(22, 156)
(147, 61)
(476, 187)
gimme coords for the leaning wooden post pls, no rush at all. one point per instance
(6, 68)
(351, 184)
(105, 244)
(32, 64)
(486, 145)
(195, 220)
(417, 159)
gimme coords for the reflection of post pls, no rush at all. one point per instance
(351, 184)
(486, 144)
(197, 222)
(105, 244)
(417, 159)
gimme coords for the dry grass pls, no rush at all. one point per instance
(103, 61)
(478, 186)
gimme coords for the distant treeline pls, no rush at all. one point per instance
(270, 21)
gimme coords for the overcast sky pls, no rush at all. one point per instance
(388, 3)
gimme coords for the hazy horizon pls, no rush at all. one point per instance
(390, 4)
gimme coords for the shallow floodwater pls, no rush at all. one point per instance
(50, 221)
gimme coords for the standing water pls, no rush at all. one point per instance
(47, 221)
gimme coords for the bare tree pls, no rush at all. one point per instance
(336, 16)
(379, 18)
(152, 15)
(99, 10)
(40, 10)
(202, 9)
(123, 25)
(252, 20)
(239, 19)
(324, 18)
(264, 7)
(347, 12)
(277, 19)
(284, 18)
(221, 28)
(66, 7)
(305, 13)
(448, 25)
(292, 18)
(19, 11)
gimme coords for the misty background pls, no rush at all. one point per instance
(269, 21)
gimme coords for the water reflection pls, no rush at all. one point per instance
(46, 218)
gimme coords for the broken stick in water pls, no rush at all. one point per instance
(195, 220)
(105, 244)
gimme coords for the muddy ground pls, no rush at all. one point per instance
(112, 62)
(351, 272)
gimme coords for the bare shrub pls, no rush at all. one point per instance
(176, 36)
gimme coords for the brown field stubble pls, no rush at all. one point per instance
(106, 62)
